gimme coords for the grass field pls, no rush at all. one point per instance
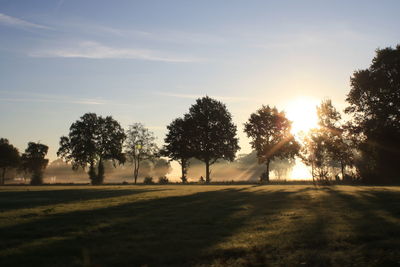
(244, 225)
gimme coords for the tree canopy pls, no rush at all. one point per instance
(91, 140)
(374, 106)
(327, 148)
(33, 161)
(178, 144)
(212, 132)
(139, 146)
(269, 130)
(9, 158)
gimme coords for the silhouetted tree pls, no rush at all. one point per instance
(212, 133)
(33, 161)
(374, 104)
(9, 158)
(314, 153)
(178, 144)
(269, 130)
(92, 140)
(281, 167)
(139, 146)
(338, 144)
(326, 147)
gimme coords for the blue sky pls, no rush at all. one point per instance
(147, 61)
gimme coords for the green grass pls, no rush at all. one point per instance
(220, 225)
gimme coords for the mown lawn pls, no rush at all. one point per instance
(246, 225)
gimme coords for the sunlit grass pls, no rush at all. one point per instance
(199, 225)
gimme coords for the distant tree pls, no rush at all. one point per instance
(269, 130)
(178, 144)
(338, 144)
(139, 146)
(314, 153)
(327, 147)
(34, 162)
(9, 158)
(92, 140)
(212, 133)
(161, 167)
(374, 105)
(281, 167)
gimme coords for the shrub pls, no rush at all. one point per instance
(148, 180)
(163, 180)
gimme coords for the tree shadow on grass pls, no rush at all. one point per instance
(375, 237)
(175, 230)
(331, 228)
(13, 200)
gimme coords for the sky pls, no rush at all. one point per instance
(147, 61)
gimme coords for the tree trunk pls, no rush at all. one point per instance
(92, 174)
(267, 177)
(3, 176)
(136, 170)
(100, 172)
(183, 165)
(342, 167)
(208, 172)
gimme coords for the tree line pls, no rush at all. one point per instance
(365, 147)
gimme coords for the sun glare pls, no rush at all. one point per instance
(302, 112)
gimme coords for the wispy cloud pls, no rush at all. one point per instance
(167, 36)
(95, 50)
(19, 23)
(229, 99)
(43, 98)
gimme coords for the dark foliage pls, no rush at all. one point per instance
(326, 148)
(34, 162)
(148, 180)
(374, 104)
(163, 180)
(269, 130)
(178, 144)
(9, 158)
(91, 140)
(212, 132)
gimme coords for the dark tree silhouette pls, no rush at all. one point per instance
(315, 153)
(213, 133)
(338, 144)
(178, 144)
(140, 146)
(326, 147)
(92, 140)
(269, 130)
(9, 158)
(374, 104)
(34, 162)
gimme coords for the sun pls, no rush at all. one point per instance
(302, 112)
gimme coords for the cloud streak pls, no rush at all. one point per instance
(19, 23)
(95, 50)
(39, 98)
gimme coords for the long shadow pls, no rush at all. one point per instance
(364, 238)
(13, 200)
(174, 230)
(377, 238)
(384, 199)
